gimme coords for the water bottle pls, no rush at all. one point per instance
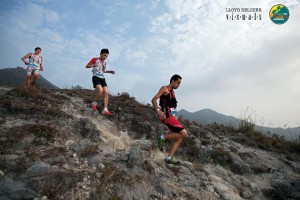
(173, 111)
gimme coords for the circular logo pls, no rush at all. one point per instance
(279, 14)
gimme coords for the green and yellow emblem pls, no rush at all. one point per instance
(279, 14)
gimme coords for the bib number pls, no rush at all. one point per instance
(33, 65)
(100, 74)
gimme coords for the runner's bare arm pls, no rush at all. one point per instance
(163, 90)
(41, 65)
(110, 71)
(25, 57)
(90, 65)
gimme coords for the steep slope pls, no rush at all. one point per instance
(17, 77)
(52, 145)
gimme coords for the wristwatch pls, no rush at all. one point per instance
(157, 109)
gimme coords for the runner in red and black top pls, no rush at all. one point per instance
(99, 68)
(166, 112)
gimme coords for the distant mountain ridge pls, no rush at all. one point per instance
(17, 77)
(209, 116)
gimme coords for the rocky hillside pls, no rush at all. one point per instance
(53, 146)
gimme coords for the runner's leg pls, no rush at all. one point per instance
(105, 96)
(35, 76)
(177, 139)
(28, 80)
(99, 90)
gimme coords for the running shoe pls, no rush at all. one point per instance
(107, 113)
(94, 107)
(172, 161)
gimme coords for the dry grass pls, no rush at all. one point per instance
(90, 150)
(272, 193)
(87, 129)
(13, 136)
(44, 103)
(223, 128)
(189, 145)
(185, 122)
(31, 155)
(22, 165)
(221, 157)
(147, 167)
(38, 95)
(116, 197)
(41, 133)
(113, 176)
(34, 153)
(256, 139)
(139, 126)
(57, 183)
(85, 94)
(198, 166)
(262, 141)
(53, 151)
(175, 170)
(18, 138)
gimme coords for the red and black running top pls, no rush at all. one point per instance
(168, 101)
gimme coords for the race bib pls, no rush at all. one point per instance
(33, 65)
(100, 74)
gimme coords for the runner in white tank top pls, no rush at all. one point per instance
(34, 65)
(99, 82)
(99, 67)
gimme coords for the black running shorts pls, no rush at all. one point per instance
(99, 81)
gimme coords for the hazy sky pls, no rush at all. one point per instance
(226, 65)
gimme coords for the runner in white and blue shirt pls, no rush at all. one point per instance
(99, 68)
(34, 65)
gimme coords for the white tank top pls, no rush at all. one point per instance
(99, 69)
(35, 60)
